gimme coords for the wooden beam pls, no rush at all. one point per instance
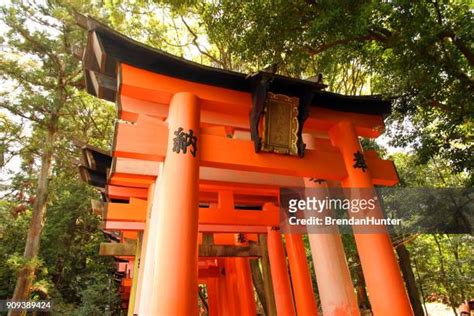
(123, 226)
(131, 180)
(147, 139)
(267, 277)
(117, 249)
(252, 250)
(148, 86)
(216, 213)
(232, 229)
(231, 216)
(135, 211)
(125, 193)
(224, 239)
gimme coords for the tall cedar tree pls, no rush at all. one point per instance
(39, 75)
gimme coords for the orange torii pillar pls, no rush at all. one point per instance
(381, 271)
(231, 290)
(280, 279)
(245, 286)
(333, 277)
(175, 280)
(146, 265)
(212, 296)
(223, 303)
(300, 276)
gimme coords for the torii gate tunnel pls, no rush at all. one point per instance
(191, 186)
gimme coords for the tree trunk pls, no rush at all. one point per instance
(27, 274)
(420, 282)
(408, 275)
(444, 276)
(362, 298)
(257, 279)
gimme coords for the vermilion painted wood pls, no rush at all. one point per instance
(131, 180)
(147, 140)
(380, 267)
(146, 271)
(231, 216)
(208, 272)
(126, 282)
(305, 301)
(239, 188)
(134, 166)
(144, 101)
(232, 287)
(212, 296)
(147, 86)
(227, 239)
(245, 287)
(125, 193)
(124, 226)
(176, 249)
(279, 271)
(335, 287)
(383, 171)
(136, 211)
(206, 228)
(130, 108)
(129, 235)
(224, 296)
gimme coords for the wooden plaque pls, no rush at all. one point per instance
(280, 124)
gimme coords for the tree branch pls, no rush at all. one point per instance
(40, 48)
(460, 45)
(381, 36)
(195, 37)
(20, 113)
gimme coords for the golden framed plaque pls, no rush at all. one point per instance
(280, 124)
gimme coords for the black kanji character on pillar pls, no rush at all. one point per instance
(359, 161)
(183, 140)
(241, 238)
(318, 181)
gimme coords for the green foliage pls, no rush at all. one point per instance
(418, 53)
(95, 302)
(12, 238)
(444, 273)
(40, 80)
(442, 264)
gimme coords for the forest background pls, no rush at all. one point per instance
(418, 53)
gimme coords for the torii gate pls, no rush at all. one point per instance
(199, 155)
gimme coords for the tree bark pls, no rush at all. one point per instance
(444, 276)
(409, 276)
(27, 274)
(257, 280)
(362, 297)
(420, 282)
